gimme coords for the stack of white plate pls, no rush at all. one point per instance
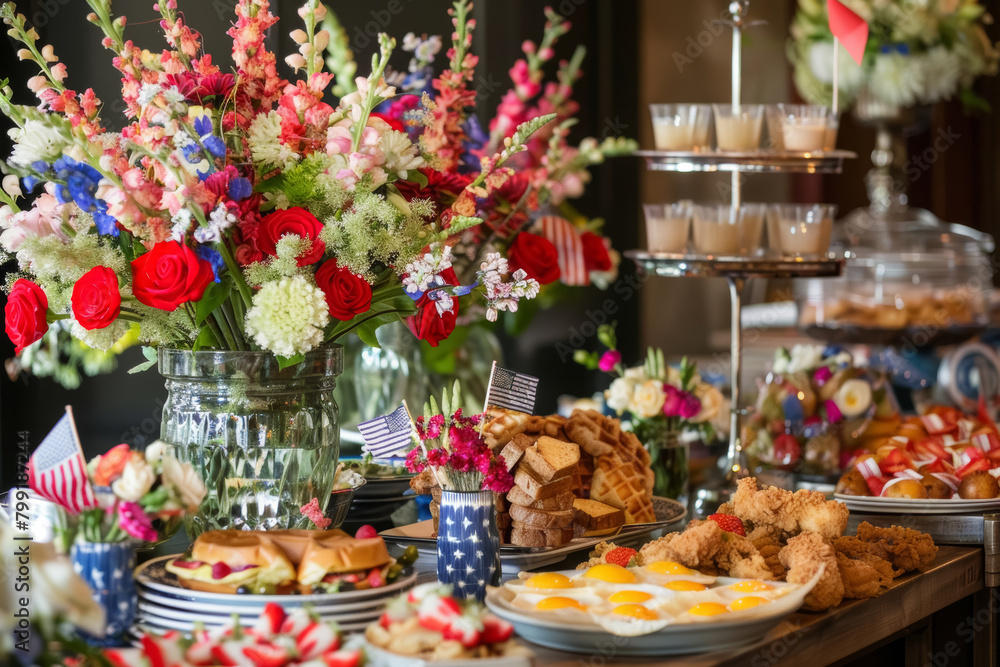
(164, 605)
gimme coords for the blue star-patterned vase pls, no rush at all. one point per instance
(107, 568)
(468, 543)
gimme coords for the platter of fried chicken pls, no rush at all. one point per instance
(776, 535)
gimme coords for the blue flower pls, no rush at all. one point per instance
(477, 139)
(203, 125)
(214, 145)
(106, 224)
(192, 153)
(462, 290)
(80, 182)
(214, 258)
(30, 182)
(240, 189)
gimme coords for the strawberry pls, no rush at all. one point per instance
(496, 630)
(317, 639)
(787, 451)
(385, 621)
(375, 579)
(344, 658)
(270, 620)
(296, 621)
(464, 630)
(222, 657)
(267, 655)
(200, 653)
(437, 613)
(620, 556)
(366, 532)
(729, 523)
(976, 465)
(160, 652)
(118, 660)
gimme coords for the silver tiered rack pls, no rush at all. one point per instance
(737, 270)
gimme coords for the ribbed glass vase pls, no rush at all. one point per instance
(265, 439)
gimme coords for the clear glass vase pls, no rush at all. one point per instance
(265, 439)
(670, 456)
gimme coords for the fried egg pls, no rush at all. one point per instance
(631, 620)
(612, 574)
(748, 602)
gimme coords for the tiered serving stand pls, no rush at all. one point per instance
(737, 270)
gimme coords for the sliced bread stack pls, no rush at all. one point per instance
(541, 502)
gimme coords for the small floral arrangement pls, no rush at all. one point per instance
(142, 497)
(451, 444)
(813, 408)
(918, 52)
(657, 397)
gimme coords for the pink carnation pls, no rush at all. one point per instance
(134, 521)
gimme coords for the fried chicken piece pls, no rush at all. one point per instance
(870, 552)
(771, 553)
(905, 548)
(709, 549)
(765, 536)
(804, 555)
(790, 513)
(860, 578)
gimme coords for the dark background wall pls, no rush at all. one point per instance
(126, 408)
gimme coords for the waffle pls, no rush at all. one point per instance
(502, 425)
(584, 475)
(550, 425)
(596, 434)
(620, 484)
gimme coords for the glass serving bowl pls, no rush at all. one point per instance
(910, 281)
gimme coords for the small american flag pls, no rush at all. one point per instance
(57, 470)
(510, 390)
(564, 236)
(388, 435)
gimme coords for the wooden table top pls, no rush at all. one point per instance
(821, 638)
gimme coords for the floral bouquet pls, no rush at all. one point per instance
(452, 446)
(918, 52)
(240, 211)
(142, 498)
(664, 404)
(816, 406)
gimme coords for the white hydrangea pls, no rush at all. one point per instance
(288, 316)
(264, 139)
(900, 79)
(101, 339)
(942, 72)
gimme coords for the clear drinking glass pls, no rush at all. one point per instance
(804, 127)
(265, 439)
(738, 130)
(723, 231)
(775, 128)
(680, 127)
(668, 227)
(801, 230)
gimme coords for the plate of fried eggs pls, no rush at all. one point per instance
(658, 609)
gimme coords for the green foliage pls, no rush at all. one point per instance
(150, 354)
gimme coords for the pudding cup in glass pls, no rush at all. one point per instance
(668, 227)
(738, 129)
(720, 230)
(801, 230)
(680, 127)
(804, 127)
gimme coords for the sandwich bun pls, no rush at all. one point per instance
(339, 554)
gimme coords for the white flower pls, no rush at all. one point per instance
(100, 339)
(942, 71)
(821, 64)
(898, 79)
(854, 398)
(636, 374)
(37, 141)
(711, 403)
(801, 358)
(401, 154)
(647, 399)
(264, 139)
(156, 451)
(185, 481)
(421, 273)
(56, 590)
(136, 480)
(288, 316)
(619, 394)
(148, 93)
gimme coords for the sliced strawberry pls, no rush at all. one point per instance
(268, 655)
(620, 556)
(937, 465)
(994, 456)
(895, 461)
(496, 630)
(269, 623)
(154, 652)
(385, 621)
(437, 613)
(344, 658)
(976, 465)
(118, 660)
(317, 639)
(465, 630)
(223, 657)
(932, 447)
(296, 621)
(200, 652)
(939, 423)
(985, 439)
(375, 579)
(728, 523)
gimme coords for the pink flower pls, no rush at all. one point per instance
(833, 413)
(44, 218)
(312, 512)
(690, 405)
(822, 375)
(413, 461)
(672, 403)
(609, 360)
(437, 457)
(134, 521)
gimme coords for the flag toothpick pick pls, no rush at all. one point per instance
(850, 30)
(511, 390)
(57, 470)
(388, 435)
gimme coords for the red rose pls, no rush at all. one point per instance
(427, 324)
(347, 295)
(25, 314)
(537, 256)
(96, 299)
(294, 220)
(595, 253)
(168, 275)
